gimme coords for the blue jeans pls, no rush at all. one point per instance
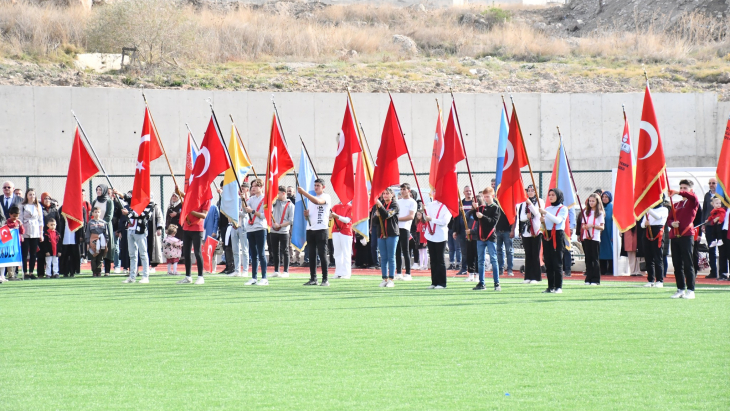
(256, 244)
(504, 244)
(454, 249)
(386, 246)
(482, 248)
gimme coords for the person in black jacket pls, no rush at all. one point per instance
(487, 214)
(387, 219)
(69, 260)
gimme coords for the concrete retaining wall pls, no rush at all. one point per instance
(37, 127)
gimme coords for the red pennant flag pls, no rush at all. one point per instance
(438, 151)
(447, 184)
(208, 251)
(360, 209)
(280, 163)
(211, 162)
(651, 164)
(723, 169)
(512, 191)
(342, 179)
(392, 146)
(189, 162)
(623, 209)
(149, 149)
(81, 168)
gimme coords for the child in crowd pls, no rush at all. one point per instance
(97, 237)
(172, 249)
(421, 242)
(12, 222)
(49, 248)
(715, 222)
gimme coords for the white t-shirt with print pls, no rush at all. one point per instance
(405, 206)
(319, 215)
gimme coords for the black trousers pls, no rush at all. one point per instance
(606, 267)
(404, 248)
(654, 256)
(438, 266)
(28, 247)
(280, 250)
(532, 257)
(593, 271)
(724, 256)
(317, 243)
(553, 256)
(194, 240)
(70, 260)
(124, 250)
(413, 248)
(712, 233)
(682, 258)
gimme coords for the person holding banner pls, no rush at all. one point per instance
(531, 235)
(654, 222)
(554, 216)
(256, 231)
(387, 217)
(682, 239)
(593, 224)
(13, 222)
(487, 214)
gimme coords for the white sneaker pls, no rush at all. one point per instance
(383, 283)
(200, 280)
(276, 274)
(534, 282)
(594, 284)
(678, 294)
(558, 291)
(345, 277)
(252, 281)
(713, 244)
(153, 270)
(439, 287)
(431, 287)
(144, 280)
(117, 270)
(262, 281)
(415, 266)
(659, 284)
(649, 285)
(129, 280)
(285, 275)
(185, 280)
(2, 279)
(407, 277)
(390, 284)
(689, 295)
(526, 282)
(398, 277)
(719, 243)
(469, 278)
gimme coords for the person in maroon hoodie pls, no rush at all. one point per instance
(681, 234)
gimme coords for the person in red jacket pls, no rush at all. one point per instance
(50, 249)
(681, 234)
(341, 216)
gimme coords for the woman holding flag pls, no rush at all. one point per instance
(593, 224)
(531, 235)
(387, 217)
(554, 217)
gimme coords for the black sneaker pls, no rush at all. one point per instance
(325, 283)
(72, 276)
(311, 282)
(305, 264)
(461, 273)
(497, 287)
(567, 275)
(547, 291)
(723, 278)
(480, 286)
(450, 267)
(709, 276)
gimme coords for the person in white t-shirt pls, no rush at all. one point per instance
(407, 208)
(256, 232)
(317, 214)
(593, 222)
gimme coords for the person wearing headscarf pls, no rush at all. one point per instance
(554, 216)
(531, 235)
(105, 203)
(605, 255)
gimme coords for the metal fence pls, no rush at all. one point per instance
(162, 185)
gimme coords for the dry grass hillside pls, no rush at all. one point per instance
(312, 46)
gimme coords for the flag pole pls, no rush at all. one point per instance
(370, 153)
(268, 161)
(461, 135)
(92, 150)
(570, 171)
(159, 140)
(407, 150)
(360, 134)
(308, 156)
(519, 127)
(240, 141)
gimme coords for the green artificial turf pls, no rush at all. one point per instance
(95, 343)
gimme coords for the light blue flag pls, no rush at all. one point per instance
(502, 146)
(562, 180)
(305, 180)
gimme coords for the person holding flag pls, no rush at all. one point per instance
(554, 218)
(593, 219)
(437, 218)
(487, 215)
(256, 231)
(531, 235)
(318, 216)
(341, 216)
(682, 237)
(281, 221)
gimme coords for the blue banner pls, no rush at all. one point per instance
(10, 255)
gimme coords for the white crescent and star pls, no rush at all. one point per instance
(653, 135)
(340, 142)
(144, 138)
(510, 155)
(206, 156)
(274, 155)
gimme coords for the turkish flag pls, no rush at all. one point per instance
(651, 164)
(447, 184)
(392, 146)
(190, 156)
(5, 234)
(342, 179)
(208, 252)
(149, 149)
(81, 168)
(211, 162)
(512, 191)
(623, 209)
(438, 151)
(280, 163)
(723, 169)
(360, 209)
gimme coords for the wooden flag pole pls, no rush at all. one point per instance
(92, 150)
(309, 157)
(407, 151)
(268, 161)
(468, 169)
(572, 179)
(159, 140)
(360, 135)
(519, 127)
(240, 141)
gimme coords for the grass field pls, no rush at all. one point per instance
(94, 343)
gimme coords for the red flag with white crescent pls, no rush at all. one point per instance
(280, 163)
(438, 151)
(342, 179)
(650, 164)
(512, 190)
(149, 149)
